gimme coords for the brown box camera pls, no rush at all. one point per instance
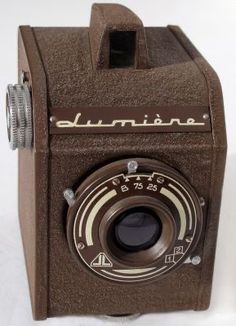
(122, 151)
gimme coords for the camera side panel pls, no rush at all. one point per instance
(33, 176)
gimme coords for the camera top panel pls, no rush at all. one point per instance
(118, 62)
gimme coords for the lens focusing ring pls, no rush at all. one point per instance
(140, 255)
(19, 116)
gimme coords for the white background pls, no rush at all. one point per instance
(211, 25)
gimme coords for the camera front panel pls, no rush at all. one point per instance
(89, 175)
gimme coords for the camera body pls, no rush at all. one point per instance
(123, 117)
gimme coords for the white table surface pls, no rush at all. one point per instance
(211, 25)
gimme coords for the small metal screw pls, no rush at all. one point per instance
(188, 238)
(160, 180)
(80, 246)
(132, 166)
(196, 260)
(116, 182)
(202, 201)
(53, 119)
(69, 196)
(205, 116)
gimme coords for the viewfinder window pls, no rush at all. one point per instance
(122, 49)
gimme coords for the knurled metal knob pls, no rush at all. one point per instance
(19, 116)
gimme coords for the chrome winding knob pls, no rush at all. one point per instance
(19, 116)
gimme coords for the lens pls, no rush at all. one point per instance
(137, 229)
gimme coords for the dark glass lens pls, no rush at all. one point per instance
(137, 229)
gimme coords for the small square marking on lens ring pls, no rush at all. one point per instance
(178, 250)
(170, 259)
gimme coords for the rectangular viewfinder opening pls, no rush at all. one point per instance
(122, 49)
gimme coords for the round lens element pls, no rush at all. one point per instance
(137, 229)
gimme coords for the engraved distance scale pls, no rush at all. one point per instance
(92, 217)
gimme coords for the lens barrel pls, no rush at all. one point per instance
(137, 229)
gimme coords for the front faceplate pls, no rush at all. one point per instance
(112, 190)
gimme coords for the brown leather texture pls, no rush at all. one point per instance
(62, 74)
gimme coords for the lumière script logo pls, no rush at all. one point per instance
(157, 122)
